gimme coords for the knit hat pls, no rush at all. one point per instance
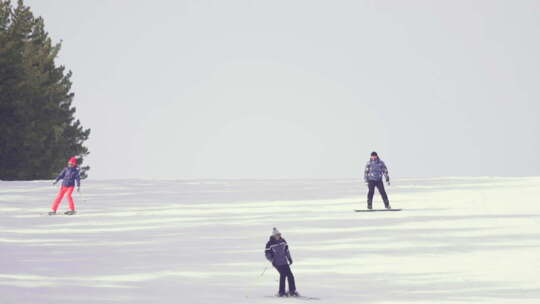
(73, 160)
(275, 232)
(374, 154)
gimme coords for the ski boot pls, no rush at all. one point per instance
(369, 205)
(52, 213)
(387, 205)
(70, 212)
(293, 294)
(281, 295)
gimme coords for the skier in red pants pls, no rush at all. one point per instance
(70, 176)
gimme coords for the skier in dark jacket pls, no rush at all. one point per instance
(375, 170)
(69, 176)
(277, 252)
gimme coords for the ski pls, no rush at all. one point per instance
(305, 298)
(376, 210)
(296, 297)
(58, 214)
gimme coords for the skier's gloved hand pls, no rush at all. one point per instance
(290, 262)
(79, 189)
(388, 182)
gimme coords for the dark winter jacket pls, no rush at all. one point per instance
(375, 169)
(70, 176)
(277, 252)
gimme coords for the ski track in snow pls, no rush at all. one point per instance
(458, 240)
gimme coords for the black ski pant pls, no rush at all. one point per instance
(380, 186)
(285, 272)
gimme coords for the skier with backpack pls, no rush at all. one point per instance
(277, 252)
(373, 174)
(70, 177)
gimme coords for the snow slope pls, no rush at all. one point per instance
(459, 240)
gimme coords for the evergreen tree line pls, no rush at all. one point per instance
(38, 130)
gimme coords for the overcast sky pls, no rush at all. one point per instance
(303, 89)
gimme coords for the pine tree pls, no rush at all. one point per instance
(38, 130)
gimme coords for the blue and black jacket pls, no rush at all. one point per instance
(70, 177)
(277, 252)
(375, 170)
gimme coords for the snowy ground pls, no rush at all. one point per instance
(458, 240)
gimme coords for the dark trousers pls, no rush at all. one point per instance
(285, 272)
(380, 186)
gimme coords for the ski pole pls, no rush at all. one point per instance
(262, 273)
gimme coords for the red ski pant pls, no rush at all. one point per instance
(58, 200)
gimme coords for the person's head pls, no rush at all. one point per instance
(276, 234)
(374, 155)
(72, 162)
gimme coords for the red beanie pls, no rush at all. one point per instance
(73, 160)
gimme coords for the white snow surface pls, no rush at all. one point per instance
(457, 240)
